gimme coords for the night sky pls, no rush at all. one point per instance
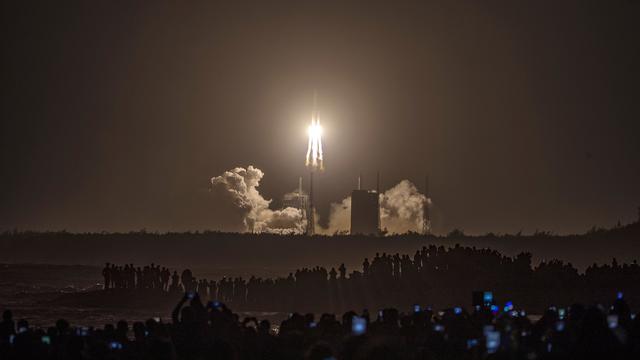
(116, 115)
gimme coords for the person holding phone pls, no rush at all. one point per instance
(194, 312)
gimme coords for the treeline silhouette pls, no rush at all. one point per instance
(436, 275)
(213, 331)
(281, 253)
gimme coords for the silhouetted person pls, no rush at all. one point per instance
(139, 278)
(213, 290)
(187, 279)
(7, 326)
(332, 274)
(165, 276)
(175, 282)
(343, 271)
(106, 274)
(365, 267)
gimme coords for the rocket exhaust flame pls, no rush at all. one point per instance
(313, 161)
(314, 149)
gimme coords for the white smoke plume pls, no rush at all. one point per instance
(237, 196)
(244, 209)
(339, 219)
(401, 209)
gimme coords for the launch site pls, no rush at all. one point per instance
(320, 180)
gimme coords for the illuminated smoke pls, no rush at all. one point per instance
(401, 209)
(237, 198)
(339, 218)
(236, 195)
(314, 149)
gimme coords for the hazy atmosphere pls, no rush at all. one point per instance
(320, 180)
(524, 118)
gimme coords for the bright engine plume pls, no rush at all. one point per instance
(314, 149)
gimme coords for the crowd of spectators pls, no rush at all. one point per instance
(212, 331)
(444, 275)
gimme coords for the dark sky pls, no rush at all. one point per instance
(526, 115)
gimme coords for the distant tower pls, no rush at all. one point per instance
(311, 227)
(365, 211)
(378, 194)
(303, 204)
(426, 217)
(314, 160)
(297, 199)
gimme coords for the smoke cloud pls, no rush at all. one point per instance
(236, 194)
(339, 219)
(237, 199)
(401, 209)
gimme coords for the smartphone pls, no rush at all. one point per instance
(619, 295)
(560, 326)
(313, 324)
(612, 320)
(46, 340)
(191, 295)
(471, 343)
(82, 331)
(487, 298)
(358, 325)
(416, 308)
(561, 313)
(156, 319)
(380, 312)
(508, 306)
(457, 310)
(493, 341)
(114, 345)
(438, 327)
(22, 329)
(12, 339)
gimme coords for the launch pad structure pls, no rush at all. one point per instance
(365, 204)
(314, 160)
(311, 219)
(426, 216)
(365, 210)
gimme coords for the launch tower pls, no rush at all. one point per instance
(426, 217)
(314, 160)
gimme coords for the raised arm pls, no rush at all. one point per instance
(175, 315)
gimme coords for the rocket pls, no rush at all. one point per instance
(314, 158)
